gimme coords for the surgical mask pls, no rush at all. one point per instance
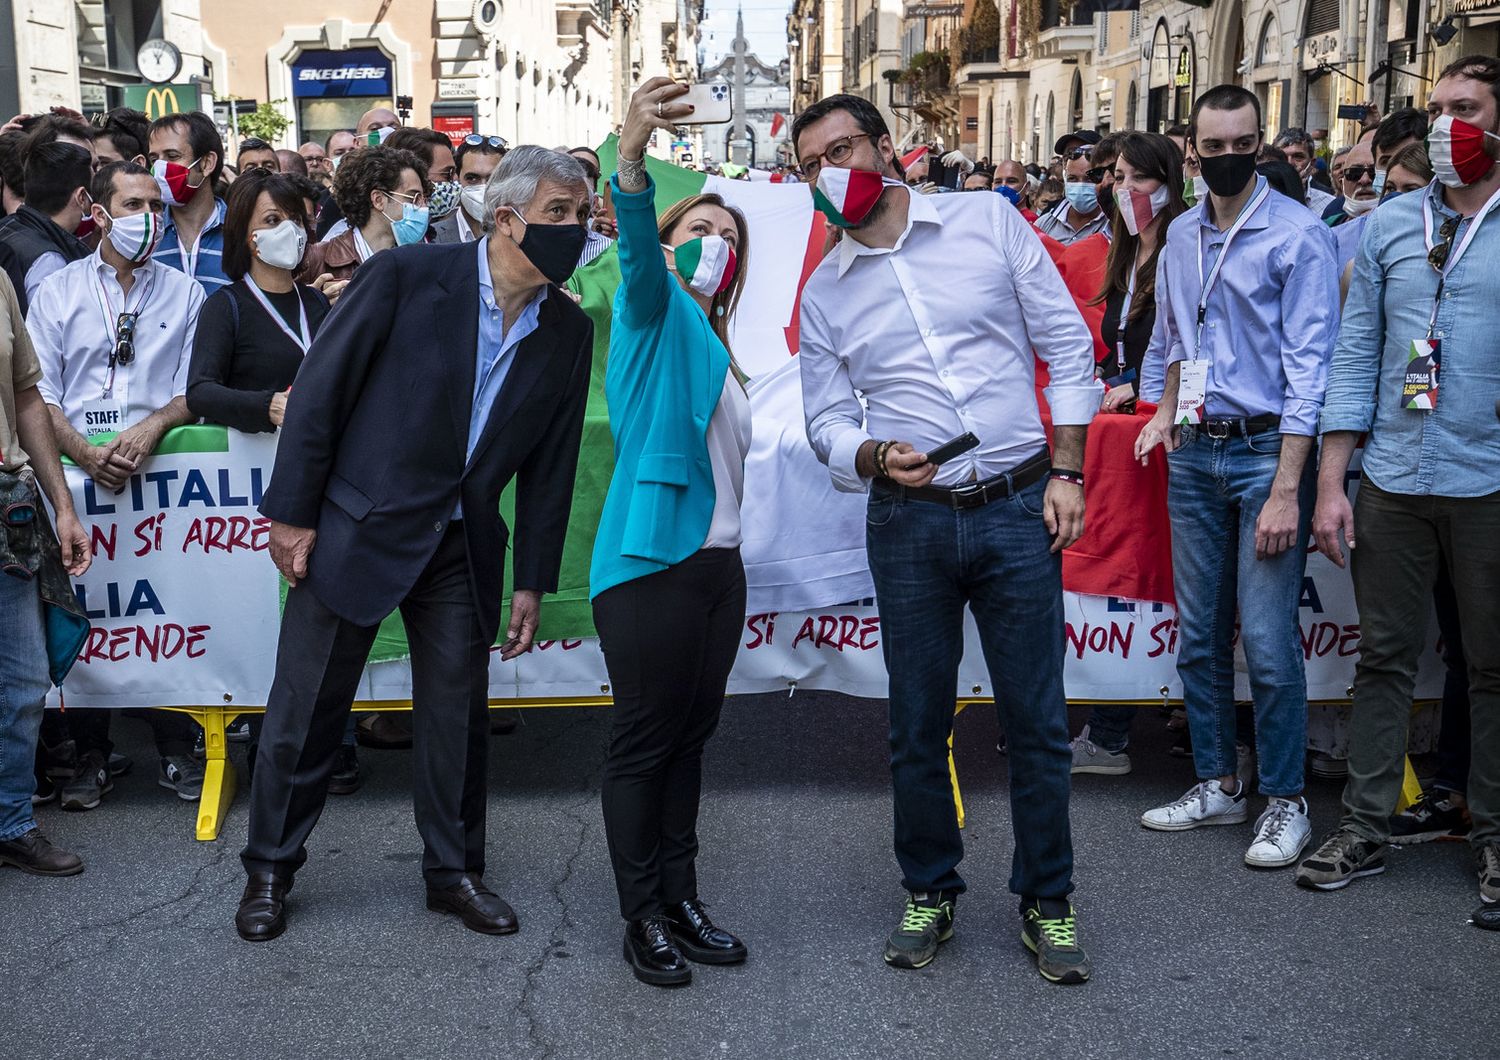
(846, 196)
(444, 199)
(175, 181)
(335, 160)
(1227, 174)
(411, 226)
(281, 247)
(1199, 188)
(1138, 209)
(1378, 183)
(1355, 207)
(1082, 196)
(472, 199)
(1458, 151)
(135, 235)
(707, 263)
(553, 249)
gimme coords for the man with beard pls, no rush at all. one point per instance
(982, 525)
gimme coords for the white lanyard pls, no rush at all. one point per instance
(112, 319)
(1208, 282)
(1456, 251)
(1124, 320)
(304, 339)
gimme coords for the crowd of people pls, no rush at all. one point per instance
(1262, 312)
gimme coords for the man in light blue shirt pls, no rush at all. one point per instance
(1247, 305)
(1424, 294)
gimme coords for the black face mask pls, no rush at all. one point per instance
(553, 249)
(1227, 174)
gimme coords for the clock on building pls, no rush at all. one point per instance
(158, 61)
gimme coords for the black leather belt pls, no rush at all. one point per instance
(975, 494)
(1246, 425)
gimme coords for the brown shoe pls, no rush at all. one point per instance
(480, 908)
(384, 731)
(31, 852)
(262, 912)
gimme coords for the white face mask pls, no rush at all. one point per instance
(1200, 189)
(135, 235)
(281, 247)
(472, 200)
(1355, 207)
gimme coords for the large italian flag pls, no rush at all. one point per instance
(804, 543)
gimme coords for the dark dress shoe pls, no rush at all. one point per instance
(384, 731)
(480, 908)
(31, 852)
(697, 937)
(502, 723)
(262, 913)
(652, 956)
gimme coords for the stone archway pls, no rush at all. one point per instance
(1227, 45)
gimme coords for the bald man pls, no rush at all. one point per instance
(379, 118)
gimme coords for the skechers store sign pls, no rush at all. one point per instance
(356, 72)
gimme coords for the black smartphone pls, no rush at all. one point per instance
(1352, 111)
(948, 450)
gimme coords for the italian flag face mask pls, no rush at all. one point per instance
(1138, 209)
(707, 264)
(1458, 151)
(175, 181)
(846, 196)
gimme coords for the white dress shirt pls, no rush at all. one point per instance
(728, 438)
(937, 334)
(72, 324)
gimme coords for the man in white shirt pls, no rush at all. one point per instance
(113, 333)
(1301, 151)
(933, 359)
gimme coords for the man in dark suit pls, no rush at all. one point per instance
(444, 372)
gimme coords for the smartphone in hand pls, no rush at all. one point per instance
(710, 101)
(950, 449)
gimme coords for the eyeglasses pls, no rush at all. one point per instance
(479, 139)
(1437, 257)
(1355, 174)
(125, 338)
(837, 153)
(416, 198)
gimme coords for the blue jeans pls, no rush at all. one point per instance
(23, 692)
(1215, 491)
(1109, 727)
(928, 562)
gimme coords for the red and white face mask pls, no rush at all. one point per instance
(175, 181)
(1138, 209)
(1459, 151)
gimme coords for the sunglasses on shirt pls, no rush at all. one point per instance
(1437, 257)
(125, 338)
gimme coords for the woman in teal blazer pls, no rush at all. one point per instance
(667, 583)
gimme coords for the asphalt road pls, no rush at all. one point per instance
(1195, 955)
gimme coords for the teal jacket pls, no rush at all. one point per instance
(664, 379)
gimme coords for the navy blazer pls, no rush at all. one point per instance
(372, 452)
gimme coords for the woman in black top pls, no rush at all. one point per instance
(1148, 194)
(253, 334)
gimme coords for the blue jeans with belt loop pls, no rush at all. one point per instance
(1215, 491)
(928, 561)
(24, 684)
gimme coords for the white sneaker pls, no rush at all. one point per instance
(1281, 834)
(1089, 757)
(1205, 804)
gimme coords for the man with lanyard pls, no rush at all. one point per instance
(1247, 300)
(986, 529)
(1424, 292)
(187, 157)
(1080, 214)
(113, 333)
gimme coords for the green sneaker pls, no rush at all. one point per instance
(1054, 940)
(927, 922)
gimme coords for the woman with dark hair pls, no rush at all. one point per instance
(253, 334)
(383, 195)
(667, 582)
(1148, 194)
(1148, 197)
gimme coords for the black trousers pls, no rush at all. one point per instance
(319, 660)
(669, 642)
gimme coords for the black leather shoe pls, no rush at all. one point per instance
(697, 937)
(480, 908)
(262, 913)
(652, 956)
(32, 853)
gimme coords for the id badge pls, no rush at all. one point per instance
(1123, 379)
(1419, 387)
(1192, 391)
(103, 416)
